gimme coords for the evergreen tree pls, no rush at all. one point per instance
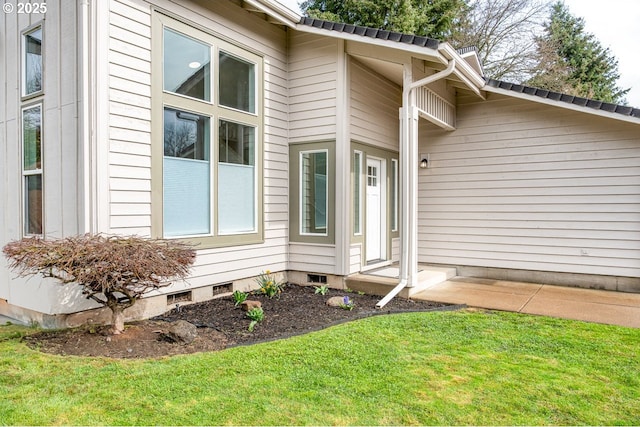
(573, 61)
(430, 18)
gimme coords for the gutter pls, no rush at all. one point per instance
(410, 136)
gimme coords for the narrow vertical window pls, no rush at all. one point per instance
(186, 174)
(394, 195)
(357, 198)
(32, 62)
(236, 178)
(313, 192)
(237, 85)
(32, 169)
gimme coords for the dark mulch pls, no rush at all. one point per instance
(220, 324)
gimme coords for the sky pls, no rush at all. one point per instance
(616, 25)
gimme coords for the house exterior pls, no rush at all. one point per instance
(274, 142)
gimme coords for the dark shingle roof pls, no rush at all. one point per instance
(433, 44)
(575, 100)
(371, 32)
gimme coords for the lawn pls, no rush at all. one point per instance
(441, 368)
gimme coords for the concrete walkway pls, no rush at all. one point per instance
(614, 308)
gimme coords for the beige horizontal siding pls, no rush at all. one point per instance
(312, 87)
(525, 186)
(374, 106)
(312, 258)
(130, 129)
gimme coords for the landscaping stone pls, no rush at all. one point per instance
(250, 304)
(182, 332)
(335, 301)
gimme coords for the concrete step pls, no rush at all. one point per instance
(382, 281)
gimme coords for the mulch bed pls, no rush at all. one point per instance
(298, 310)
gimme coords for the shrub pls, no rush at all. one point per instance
(112, 271)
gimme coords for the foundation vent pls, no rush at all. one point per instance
(178, 297)
(317, 278)
(222, 289)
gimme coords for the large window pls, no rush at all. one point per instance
(32, 168)
(210, 100)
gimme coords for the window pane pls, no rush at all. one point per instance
(394, 195)
(33, 62)
(186, 174)
(31, 138)
(236, 178)
(186, 135)
(33, 204)
(186, 66)
(313, 186)
(237, 83)
(357, 164)
(236, 143)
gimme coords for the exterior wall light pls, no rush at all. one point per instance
(424, 161)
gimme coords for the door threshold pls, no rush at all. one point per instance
(372, 265)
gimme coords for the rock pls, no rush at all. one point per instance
(249, 304)
(335, 301)
(182, 332)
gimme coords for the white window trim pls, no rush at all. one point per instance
(23, 62)
(394, 200)
(360, 156)
(32, 172)
(300, 198)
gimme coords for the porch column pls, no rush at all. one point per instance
(408, 182)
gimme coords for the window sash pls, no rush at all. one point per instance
(314, 192)
(357, 193)
(32, 169)
(394, 195)
(32, 63)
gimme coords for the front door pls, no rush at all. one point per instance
(375, 236)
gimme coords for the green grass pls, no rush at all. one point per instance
(419, 368)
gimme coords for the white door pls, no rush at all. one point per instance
(375, 210)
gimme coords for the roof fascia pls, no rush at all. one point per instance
(472, 75)
(276, 11)
(419, 51)
(560, 104)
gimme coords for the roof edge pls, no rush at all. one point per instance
(605, 109)
(276, 10)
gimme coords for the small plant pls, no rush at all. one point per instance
(256, 315)
(322, 290)
(269, 286)
(239, 297)
(347, 303)
(361, 293)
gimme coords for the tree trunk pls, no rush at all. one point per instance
(117, 319)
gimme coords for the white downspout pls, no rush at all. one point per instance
(409, 181)
(85, 121)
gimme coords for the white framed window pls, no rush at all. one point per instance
(314, 192)
(394, 194)
(211, 104)
(32, 72)
(357, 193)
(32, 169)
